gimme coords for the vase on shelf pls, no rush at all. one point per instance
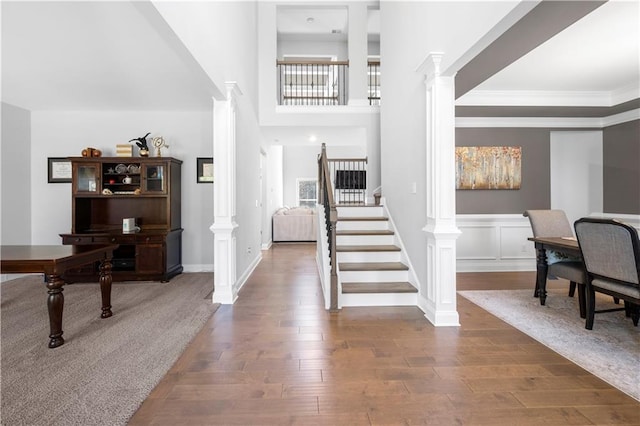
(144, 152)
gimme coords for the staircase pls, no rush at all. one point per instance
(372, 268)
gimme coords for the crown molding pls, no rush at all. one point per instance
(549, 98)
(547, 122)
(626, 93)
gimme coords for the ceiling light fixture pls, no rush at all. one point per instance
(310, 20)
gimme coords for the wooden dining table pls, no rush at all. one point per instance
(564, 245)
(53, 262)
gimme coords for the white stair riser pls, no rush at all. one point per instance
(371, 225)
(365, 256)
(360, 212)
(379, 299)
(373, 276)
(354, 240)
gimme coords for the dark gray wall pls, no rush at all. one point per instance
(534, 193)
(621, 171)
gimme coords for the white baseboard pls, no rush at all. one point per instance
(246, 274)
(205, 267)
(9, 277)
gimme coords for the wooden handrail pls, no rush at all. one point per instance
(325, 197)
(365, 159)
(309, 62)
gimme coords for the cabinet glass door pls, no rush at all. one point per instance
(154, 178)
(87, 178)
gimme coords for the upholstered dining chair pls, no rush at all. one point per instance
(554, 223)
(611, 254)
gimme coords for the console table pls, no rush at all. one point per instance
(53, 261)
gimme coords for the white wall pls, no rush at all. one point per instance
(15, 200)
(313, 48)
(274, 191)
(222, 37)
(62, 134)
(365, 119)
(248, 210)
(576, 172)
(301, 161)
(409, 32)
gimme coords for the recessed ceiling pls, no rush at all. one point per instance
(321, 23)
(325, 20)
(599, 53)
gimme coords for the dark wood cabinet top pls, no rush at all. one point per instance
(124, 160)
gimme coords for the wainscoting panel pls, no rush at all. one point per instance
(494, 243)
(498, 242)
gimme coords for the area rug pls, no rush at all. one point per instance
(610, 351)
(107, 367)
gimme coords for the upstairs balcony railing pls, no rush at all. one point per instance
(322, 82)
(373, 75)
(312, 82)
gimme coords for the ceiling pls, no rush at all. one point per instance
(110, 55)
(597, 55)
(97, 56)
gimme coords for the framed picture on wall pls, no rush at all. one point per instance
(58, 170)
(204, 170)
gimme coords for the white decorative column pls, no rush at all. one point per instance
(358, 49)
(224, 196)
(439, 300)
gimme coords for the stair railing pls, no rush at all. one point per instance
(312, 82)
(325, 197)
(350, 179)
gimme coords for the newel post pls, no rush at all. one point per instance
(438, 300)
(224, 196)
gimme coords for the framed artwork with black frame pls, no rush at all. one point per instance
(204, 170)
(58, 170)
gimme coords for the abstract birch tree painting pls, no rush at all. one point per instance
(488, 167)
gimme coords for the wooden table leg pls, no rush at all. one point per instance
(541, 275)
(55, 304)
(105, 287)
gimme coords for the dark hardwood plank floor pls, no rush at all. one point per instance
(277, 357)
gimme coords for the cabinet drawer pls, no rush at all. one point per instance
(106, 240)
(76, 240)
(145, 239)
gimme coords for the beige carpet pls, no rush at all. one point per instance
(106, 367)
(610, 351)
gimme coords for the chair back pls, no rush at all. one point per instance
(610, 249)
(549, 223)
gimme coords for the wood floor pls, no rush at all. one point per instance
(277, 357)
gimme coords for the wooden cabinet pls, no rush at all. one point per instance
(107, 190)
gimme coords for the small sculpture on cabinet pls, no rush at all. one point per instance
(159, 143)
(142, 145)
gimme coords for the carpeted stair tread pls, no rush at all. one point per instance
(367, 248)
(372, 266)
(379, 287)
(365, 232)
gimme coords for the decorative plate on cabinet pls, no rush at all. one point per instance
(121, 169)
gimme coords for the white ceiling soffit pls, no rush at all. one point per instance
(95, 56)
(314, 135)
(306, 23)
(594, 62)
